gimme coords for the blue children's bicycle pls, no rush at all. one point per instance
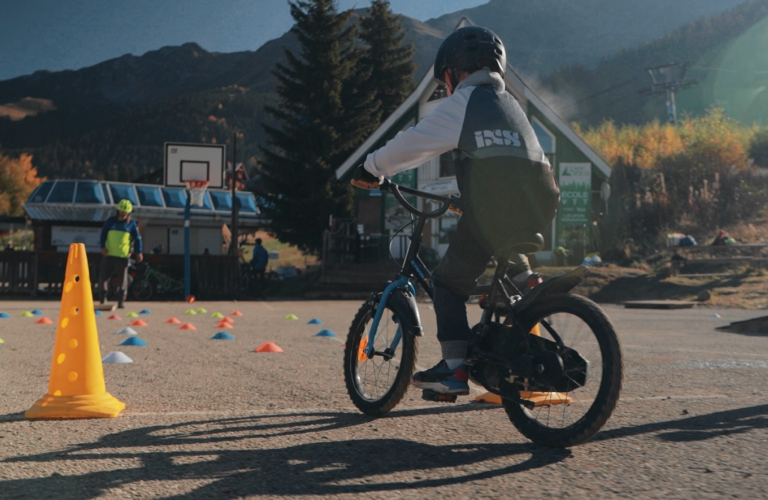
(553, 358)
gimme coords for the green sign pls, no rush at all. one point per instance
(575, 194)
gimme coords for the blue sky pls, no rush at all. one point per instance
(72, 34)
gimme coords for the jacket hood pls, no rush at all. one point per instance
(482, 77)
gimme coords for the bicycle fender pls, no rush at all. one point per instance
(553, 286)
(404, 305)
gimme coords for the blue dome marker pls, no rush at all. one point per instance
(222, 336)
(97, 313)
(314, 321)
(4, 316)
(133, 341)
(37, 312)
(145, 311)
(325, 333)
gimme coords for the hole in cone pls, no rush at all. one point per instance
(269, 347)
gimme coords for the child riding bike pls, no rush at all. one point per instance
(506, 183)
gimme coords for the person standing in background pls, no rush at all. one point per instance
(117, 236)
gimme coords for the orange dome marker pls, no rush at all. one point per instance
(44, 321)
(227, 319)
(138, 322)
(235, 313)
(190, 298)
(187, 326)
(76, 387)
(114, 316)
(173, 321)
(224, 324)
(268, 347)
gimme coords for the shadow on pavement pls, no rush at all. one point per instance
(231, 469)
(700, 427)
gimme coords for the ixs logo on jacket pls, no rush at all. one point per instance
(485, 138)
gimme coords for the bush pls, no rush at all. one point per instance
(707, 184)
(758, 148)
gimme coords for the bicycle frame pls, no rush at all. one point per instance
(412, 268)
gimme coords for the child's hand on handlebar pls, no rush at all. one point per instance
(364, 179)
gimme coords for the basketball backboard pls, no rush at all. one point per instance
(194, 162)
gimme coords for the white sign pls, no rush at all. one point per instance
(63, 236)
(447, 186)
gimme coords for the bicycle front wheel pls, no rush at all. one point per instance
(562, 419)
(142, 289)
(377, 384)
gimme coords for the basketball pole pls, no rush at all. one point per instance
(187, 251)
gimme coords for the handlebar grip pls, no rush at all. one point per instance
(361, 174)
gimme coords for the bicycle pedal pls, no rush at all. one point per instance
(430, 395)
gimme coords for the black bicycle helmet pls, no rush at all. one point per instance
(469, 49)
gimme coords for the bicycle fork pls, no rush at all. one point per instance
(401, 283)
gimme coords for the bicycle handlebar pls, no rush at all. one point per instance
(395, 189)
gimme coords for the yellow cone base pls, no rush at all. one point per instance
(538, 398)
(88, 406)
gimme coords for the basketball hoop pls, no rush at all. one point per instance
(196, 192)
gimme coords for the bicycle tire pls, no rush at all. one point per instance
(611, 374)
(374, 406)
(142, 289)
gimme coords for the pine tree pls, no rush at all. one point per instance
(389, 60)
(323, 114)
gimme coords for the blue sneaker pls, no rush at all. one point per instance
(443, 380)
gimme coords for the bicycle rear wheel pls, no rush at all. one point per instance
(562, 419)
(377, 384)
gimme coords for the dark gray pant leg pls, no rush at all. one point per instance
(455, 278)
(100, 290)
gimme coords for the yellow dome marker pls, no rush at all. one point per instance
(76, 387)
(538, 398)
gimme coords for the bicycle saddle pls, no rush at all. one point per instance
(526, 243)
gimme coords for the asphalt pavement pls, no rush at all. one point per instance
(213, 419)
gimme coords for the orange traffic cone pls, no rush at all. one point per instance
(538, 398)
(76, 386)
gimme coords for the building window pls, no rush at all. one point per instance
(447, 167)
(546, 139)
(446, 229)
(439, 93)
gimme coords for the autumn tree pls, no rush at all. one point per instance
(18, 178)
(323, 113)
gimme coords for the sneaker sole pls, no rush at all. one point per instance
(441, 389)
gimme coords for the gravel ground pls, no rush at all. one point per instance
(213, 419)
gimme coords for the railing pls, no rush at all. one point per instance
(18, 272)
(42, 273)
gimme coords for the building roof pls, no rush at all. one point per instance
(94, 201)
(514, 83)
